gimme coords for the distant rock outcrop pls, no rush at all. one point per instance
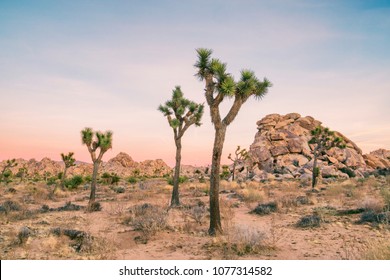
(378, 159)
(122, 164)
(281, 147)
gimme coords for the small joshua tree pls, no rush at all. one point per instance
(22, 173)
(323, 139)
(240, 156)
(6, 172)
(181, 113)
(69, 161)
(94, 141)
(219, 86)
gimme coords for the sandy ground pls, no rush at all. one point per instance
(111, 233)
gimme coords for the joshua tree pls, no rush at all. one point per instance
(239, 157)
(181, 114)
(94, 141)
(6, 172)
(22, 173)
(323, 139)
(220, 85)
(69, 161)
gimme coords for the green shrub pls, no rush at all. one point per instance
(266, 208)
(51, 180)
(182, 179)
(88, 179)
(132, 180)
(74, 182)
(309, 221)
(348, 171)
(110, 179)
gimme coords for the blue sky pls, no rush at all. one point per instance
(65, 65)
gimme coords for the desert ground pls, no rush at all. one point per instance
(343, 219)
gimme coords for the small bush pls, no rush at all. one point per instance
(309, 221)
(385, 193)
(73, 182)
(110, 179)
(265, 209)
(9, 206)
(51, 180)
(119, 189)
(148, 219)
(377, 250)
(376, 218)
(132, 180)
(88, 179)
(95, 207)
(348, 171)
(182, 179)
(197, 213)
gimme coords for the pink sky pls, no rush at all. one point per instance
(64, 69)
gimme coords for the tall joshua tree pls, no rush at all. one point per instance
(95, 140)
(69, 161)
(323, 139)
(220, 85)
(181, 113)
(239, 157)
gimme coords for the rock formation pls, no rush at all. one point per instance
(122, 164)
(281, 147)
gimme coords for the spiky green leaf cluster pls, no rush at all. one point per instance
(181, 111)
(96, 140)
(68, 159)
(224, 83)
(324, 139)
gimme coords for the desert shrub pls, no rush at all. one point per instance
(148, 219)
(6, 176)
(348, 171)
(119, 189)
(81, 240)
(250, 195)
(324, 211)
(225, 172)
(376, 218)
(241, 241)
(110, 178)
(265, 208)
(51, 180)
(69, 206)
(385, 193)
(9, 206)
(95, 207)
(309, 221)
(88, 179)
(198, 213)
(132, 180)
(182, 179)
(245, 241)
(11, 190)
(377, 250)
(372, 204)
(74, 182)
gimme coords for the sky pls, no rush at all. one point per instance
(108, 65)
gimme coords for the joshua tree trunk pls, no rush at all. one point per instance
(175, 192)
(93, 183)
(234, 170)
(315, 175)
(215, 217)
(63, 179)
